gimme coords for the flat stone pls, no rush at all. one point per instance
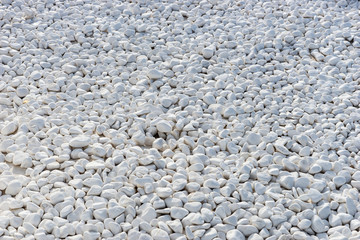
(80, 141)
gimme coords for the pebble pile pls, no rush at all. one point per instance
(179, 119)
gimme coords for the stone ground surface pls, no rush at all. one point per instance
(179, 119)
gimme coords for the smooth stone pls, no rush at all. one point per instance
(94, 165)
(164, 192)
(159, 234)
(164, 126)
(302, 182)
(66, 211)
(211, 183)
(247, 230)
(304, 224)
(101, 214)
(253, 138)
(9, 128)
(193, 219)
(234, 235)
(154, 74)
(210, 234)
(22, 91)
(178, 212)
(80, 141)
(305, 151)
(148, 214)
(339, 181)
(68, 68)
(36, 75)
(351, 206)
(13, 187)
(57, 197)
(318, 225)
(207, 53)
(324, 211)
(287, 182)
(193, 206)
(277, 219)
(314, 195)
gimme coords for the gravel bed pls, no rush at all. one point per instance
(179, 119)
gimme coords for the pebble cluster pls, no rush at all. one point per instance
(179, 119)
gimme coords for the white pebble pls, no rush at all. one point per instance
(163, 126)
(253, 139)
(154, 74)
(80, 141)
(13, 187)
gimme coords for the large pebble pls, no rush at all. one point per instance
(80, 141)
(154, 74)
(253, 139)
(163, 126)
(9, 128)
(13, 187)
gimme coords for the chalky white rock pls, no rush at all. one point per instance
(179, 120)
